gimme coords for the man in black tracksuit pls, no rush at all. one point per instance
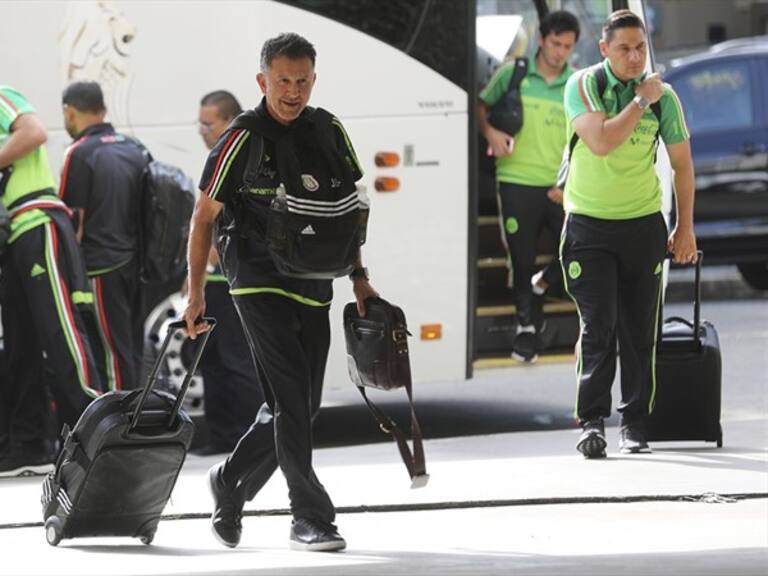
(102, 180)
(285, 319)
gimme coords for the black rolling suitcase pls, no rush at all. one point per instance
(688, 378)
(118, 466)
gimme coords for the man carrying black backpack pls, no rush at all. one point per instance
(280, 187)
(527, 163)
(102, 179)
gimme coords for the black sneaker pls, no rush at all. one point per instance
(524, 346)
(315, 536)
(632, 440)
(227, 510)
(17, 461)
(592, 440)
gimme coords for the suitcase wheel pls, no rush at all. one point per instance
(147, 538)
(53, 530)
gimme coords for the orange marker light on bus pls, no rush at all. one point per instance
(387, 184)
(387, 159)
(431, 331)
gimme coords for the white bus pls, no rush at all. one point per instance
(402, 75)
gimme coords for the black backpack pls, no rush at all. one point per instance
(602, 83)
(507, 114)
(377, 357)
(167, 202)
(317, 221)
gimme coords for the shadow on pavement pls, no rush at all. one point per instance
(354, 424)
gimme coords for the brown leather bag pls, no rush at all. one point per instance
(377, 356)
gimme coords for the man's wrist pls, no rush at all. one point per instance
(359, 273)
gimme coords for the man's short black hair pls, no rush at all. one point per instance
(621, 19)
(84, 96)
(225, 102)
(287, 44)
(558, 22)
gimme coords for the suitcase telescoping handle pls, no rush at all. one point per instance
(696, 300)
(172, 328)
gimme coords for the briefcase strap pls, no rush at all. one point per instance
(414, 461)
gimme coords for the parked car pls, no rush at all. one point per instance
(724, 92)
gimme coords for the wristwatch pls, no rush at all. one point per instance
(359, 273)
(641, 102)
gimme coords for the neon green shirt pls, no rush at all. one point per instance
(624, 183)
(539, 144)
(30, 173)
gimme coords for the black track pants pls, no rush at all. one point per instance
(290, 342)
(524, 211)
(612, 269)
(233, 390)
(118, 341)
(44, 332)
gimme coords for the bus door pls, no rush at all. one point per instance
(507, 30)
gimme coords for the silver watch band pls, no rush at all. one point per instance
(641, 102)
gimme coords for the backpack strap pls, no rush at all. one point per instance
(251, 122)
(521, 70)
(255, 160)
(602, 83)
(260, 129)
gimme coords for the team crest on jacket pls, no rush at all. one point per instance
(309, 182)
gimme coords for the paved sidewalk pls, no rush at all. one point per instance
(519, 468)
(522, 502)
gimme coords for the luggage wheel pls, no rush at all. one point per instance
(147, 538)
(53, 530)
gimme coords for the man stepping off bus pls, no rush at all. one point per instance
(527, 164)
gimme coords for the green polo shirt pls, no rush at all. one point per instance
(30, 173)
(624, 183)
(539, 144)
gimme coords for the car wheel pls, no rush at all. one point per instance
(179, 355)
(755, 274)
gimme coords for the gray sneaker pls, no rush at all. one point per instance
(632, 440)
(592, 440)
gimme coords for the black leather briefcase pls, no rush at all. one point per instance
(377, 355)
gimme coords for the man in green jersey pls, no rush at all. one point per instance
(527, 164)
(44, 287)
(615, 237)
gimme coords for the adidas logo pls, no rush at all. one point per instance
(308, 231)
(37, 270)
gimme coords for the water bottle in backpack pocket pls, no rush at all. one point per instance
(315, 239)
